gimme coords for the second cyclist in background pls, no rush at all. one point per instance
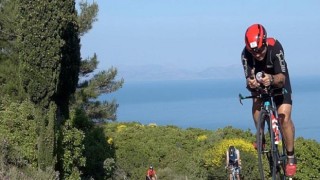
(151, 174)
(233, 161)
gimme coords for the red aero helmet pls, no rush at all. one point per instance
(256, 36)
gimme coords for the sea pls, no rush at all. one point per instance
(210, 104)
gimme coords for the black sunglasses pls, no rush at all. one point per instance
(258, 50)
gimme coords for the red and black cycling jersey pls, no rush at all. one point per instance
(273, 62)
(151, 173)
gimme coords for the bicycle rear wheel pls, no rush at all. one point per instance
(274, 158)
(279, 156)
(234, 177)
(269, 154)
(231, 173)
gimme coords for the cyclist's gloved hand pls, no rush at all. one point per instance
(252, 83)
(265, 79)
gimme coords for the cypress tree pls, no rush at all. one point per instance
(70, 59)
(49, 54)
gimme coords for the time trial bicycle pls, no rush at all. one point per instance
(270, 145)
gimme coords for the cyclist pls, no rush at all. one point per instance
(233, 160)
(151, 174)
(262, 54)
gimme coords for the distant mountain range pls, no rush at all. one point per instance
(158, 72)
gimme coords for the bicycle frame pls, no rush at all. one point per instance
(268, 111)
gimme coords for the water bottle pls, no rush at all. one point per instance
(259, 76)
(275, 127)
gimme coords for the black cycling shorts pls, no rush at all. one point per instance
(284, 99)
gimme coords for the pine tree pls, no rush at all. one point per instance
(87, 16)
(103, 82)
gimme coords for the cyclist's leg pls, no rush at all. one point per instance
(230, 171)
(288, 129)
(256, 110)
(238, 173)
(256, 105)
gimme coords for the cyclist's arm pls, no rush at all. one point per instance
(239, 159)
(279, 80)
(249, 72)
(148, 175)
(227, 158)
(280, 66)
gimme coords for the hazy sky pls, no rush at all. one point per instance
(197, 34)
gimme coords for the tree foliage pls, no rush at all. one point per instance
(49, 49)
(73, 149)
(8, 21)
(307, 153)
(49, 60)
(41, 66)
(87, 16)
(18, 127)
(40, 43)
(9, 84)
(89, 91)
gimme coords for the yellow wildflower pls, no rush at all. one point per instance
(110, 140)
(202, 138)
(121, 127)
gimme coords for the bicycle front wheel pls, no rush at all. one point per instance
(234, 176)
(262, 162)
